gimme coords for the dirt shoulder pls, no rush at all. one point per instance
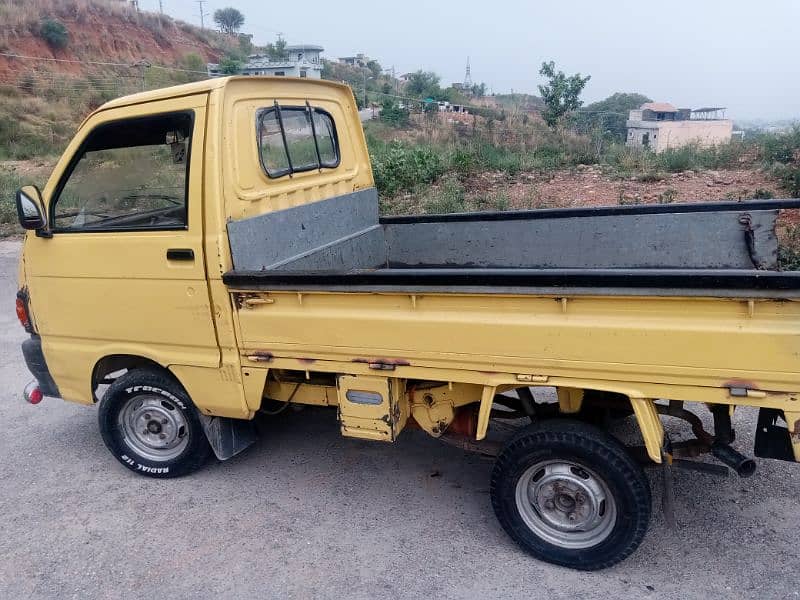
(591, 186)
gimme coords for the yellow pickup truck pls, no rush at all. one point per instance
(211, 251)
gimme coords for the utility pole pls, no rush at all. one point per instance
(203, 15)
(161, 6)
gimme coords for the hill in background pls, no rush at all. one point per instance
(59, 59)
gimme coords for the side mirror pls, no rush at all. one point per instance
(29, 208)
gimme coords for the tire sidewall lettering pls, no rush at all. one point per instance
(154, 390)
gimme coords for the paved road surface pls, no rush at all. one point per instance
(306, 513)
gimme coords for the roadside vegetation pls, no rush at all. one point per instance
(404, 161)
(511, 152)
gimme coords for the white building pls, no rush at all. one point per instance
(359, 60)
(659, 125)
(302, 60)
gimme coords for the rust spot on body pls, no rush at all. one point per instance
(398, 362)
(740, 383)
(307, 361)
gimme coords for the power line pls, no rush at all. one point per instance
(94, 62)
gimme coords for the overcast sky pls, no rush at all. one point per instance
(742, 54)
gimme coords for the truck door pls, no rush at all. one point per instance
(123, 272)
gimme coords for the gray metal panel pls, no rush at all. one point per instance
(365, 250)
(269, 240)
(714, 240)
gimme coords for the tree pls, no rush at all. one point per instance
(375, 68)
(479, 90)
(54, 33)
(561, 95)
(611, 114)
(229, 20)
(277, 51)
(393, 114)
(423, 84)
(230, 65)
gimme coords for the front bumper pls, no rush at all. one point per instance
(37, 365)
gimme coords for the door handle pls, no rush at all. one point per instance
(180, 254)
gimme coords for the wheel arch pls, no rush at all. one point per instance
(112, 363)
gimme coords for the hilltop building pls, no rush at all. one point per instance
(359, 60)
(302, 60)
(659, 125)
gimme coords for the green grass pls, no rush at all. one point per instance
(10, 182)
(450, 197)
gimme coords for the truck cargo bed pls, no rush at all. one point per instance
(721, 249)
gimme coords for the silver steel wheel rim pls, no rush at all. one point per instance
(154, 427)
(566, 504)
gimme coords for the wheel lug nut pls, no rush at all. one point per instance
(163, 421)
(162, 436)
(147, 416)
(572, 516)
(549, 505)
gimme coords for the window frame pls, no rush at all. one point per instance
(80, 153)
(291, 169)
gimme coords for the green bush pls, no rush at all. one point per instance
(694, 157)
(779, 148)
(392, 114)
(55, 33)
(464, 161)
(762, 194)
(676, 160)
(789, 176)
(448, 198)
(401, 167)
(9, 184)
(230, 65)
(499, 158)
(789, 249)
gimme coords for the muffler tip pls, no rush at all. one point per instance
(742, 465)
(746, 468)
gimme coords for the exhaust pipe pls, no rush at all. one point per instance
(737, 461)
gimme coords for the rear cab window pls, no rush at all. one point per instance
(292, 139)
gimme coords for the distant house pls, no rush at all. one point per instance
(302, 60)
(659, 125)
(359, 60)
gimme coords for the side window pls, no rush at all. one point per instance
(128, 175)
(296, 138)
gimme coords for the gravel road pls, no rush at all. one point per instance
(306, 513)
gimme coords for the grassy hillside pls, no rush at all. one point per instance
(49, 83)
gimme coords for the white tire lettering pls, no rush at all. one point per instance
(152, 470)
(155, 390)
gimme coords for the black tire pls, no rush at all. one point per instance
(599, 457)
(169, 404)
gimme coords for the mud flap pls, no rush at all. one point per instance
(228, 437)
(772, 439)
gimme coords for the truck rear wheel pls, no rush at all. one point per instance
(151, 426)
(571, 495)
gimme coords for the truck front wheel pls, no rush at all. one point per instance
(151, 426)
(571, 495)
